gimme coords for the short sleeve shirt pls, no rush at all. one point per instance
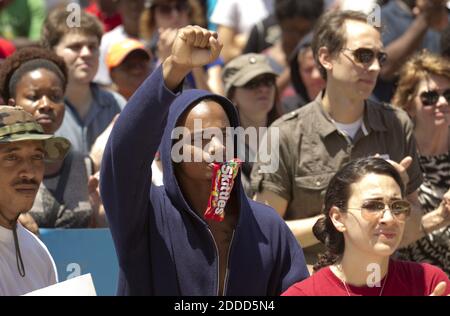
(235, 13)
(312, 150)
(403, 279)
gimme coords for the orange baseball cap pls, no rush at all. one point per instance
(118, 51)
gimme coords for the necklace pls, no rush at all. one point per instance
(345, 284)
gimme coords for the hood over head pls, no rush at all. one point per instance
(179, 106)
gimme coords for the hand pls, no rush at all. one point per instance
(98, 219)
(401, 167)
(435, 12)
(29, 223)
(94, 191)
(444, 208)
(195, 47)
(439, 290)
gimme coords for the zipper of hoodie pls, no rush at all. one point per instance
(217, 256)
(227, 273)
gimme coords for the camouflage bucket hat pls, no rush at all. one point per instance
(18, 125)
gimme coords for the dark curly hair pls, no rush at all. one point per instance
(338, 193)
(25, 60)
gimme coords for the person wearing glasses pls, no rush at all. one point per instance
(411, 25)
(363, 221)
(424, 92)
(340, 125)
(250, 84)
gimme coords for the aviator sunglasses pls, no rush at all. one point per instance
(374, 209)
(366, 56)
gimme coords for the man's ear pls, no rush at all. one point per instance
(324, 57)
(11, 102)
(337, 219)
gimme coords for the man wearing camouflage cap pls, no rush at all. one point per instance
(23, 149)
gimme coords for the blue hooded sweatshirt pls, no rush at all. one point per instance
(163, 246)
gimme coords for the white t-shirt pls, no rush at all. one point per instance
(366, 6)
(40, 269)
(349, 129)
(157, 175)
(115, 35)
(241, 15)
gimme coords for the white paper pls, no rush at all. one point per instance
(79, 286)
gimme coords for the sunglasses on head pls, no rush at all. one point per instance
(267, 81)
(431, 97)
(166, 8)
(366, 56)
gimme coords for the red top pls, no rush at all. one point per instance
(109, 22)
(403, 279)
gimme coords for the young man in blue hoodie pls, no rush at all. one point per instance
(164, 244)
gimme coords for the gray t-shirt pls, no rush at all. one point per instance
(72, 208)
(83, 133)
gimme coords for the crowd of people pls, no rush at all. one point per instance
(99, 104)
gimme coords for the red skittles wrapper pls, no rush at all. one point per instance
(222, 184)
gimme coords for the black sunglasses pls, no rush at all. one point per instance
(267, 81)
(366, 56)
(167, 9)
(431, 97)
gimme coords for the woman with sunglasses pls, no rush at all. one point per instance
(424, 92)
(250, 84)
(365, 211)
